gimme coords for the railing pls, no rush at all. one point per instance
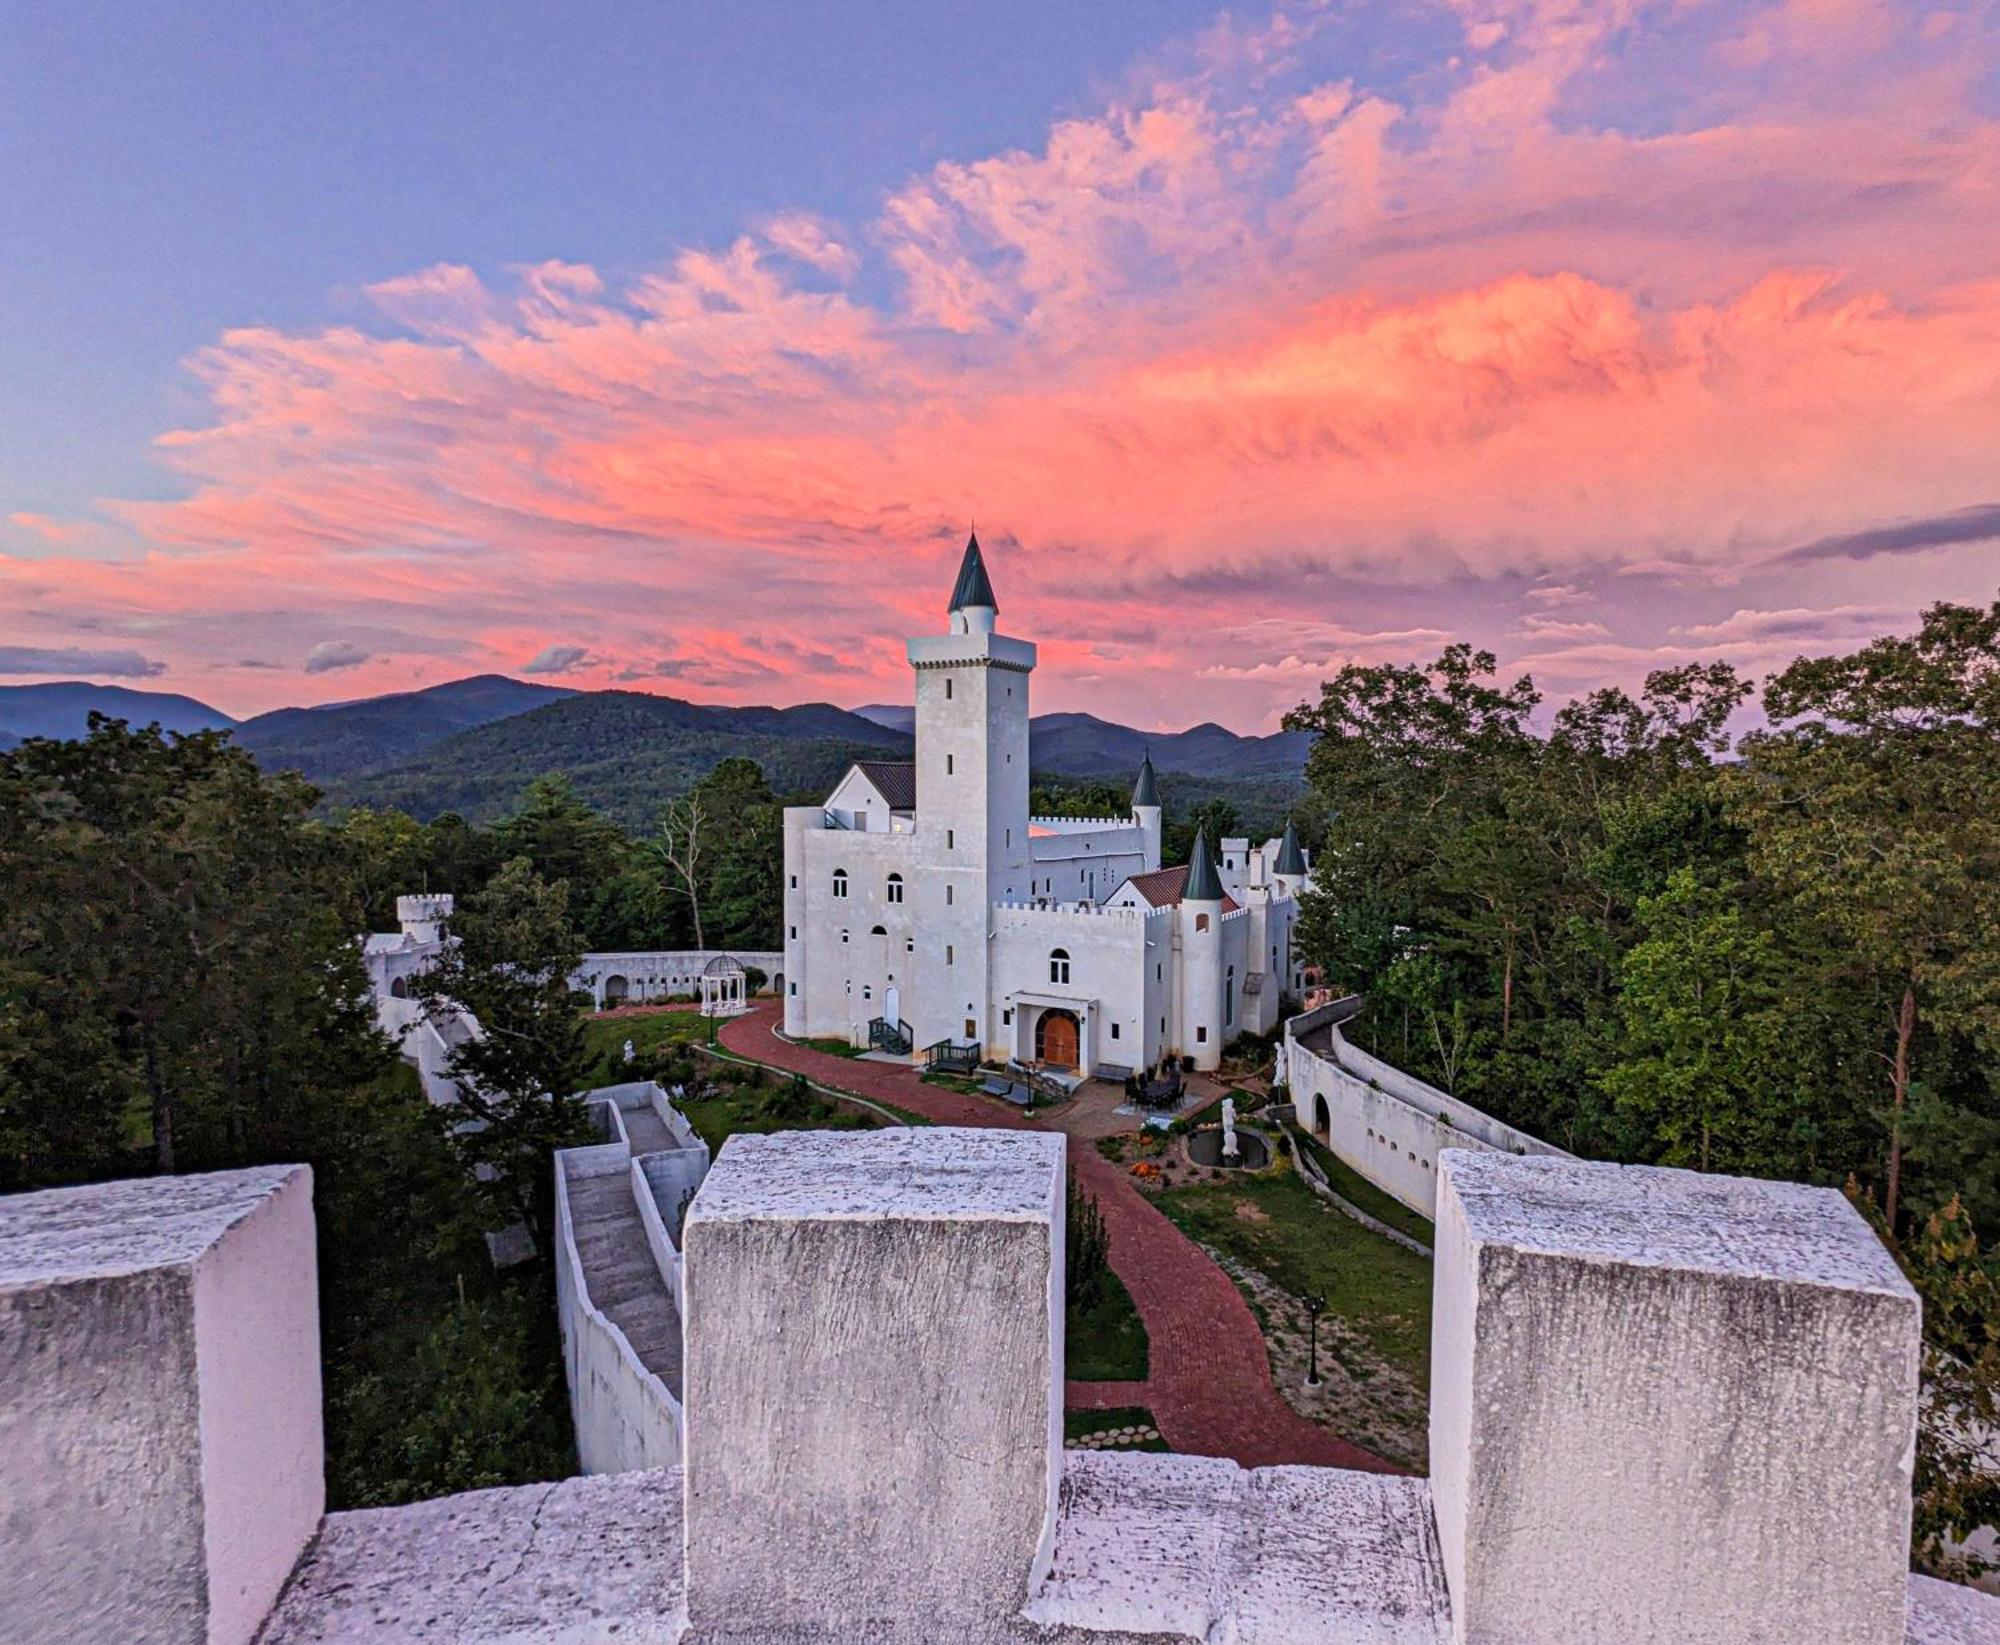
(951, 1057)
(884, 1035)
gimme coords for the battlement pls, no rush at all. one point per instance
(1028, 912)
(1665, 1407)
(424, 905)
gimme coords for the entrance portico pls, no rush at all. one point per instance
(1057, 1029)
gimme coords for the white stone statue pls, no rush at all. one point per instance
(1230, 1150)
(630, 1053)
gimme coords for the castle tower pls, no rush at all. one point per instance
(972, 804)
(1290, 868)
(1200, 914)
(422, 916)
(1146, 810)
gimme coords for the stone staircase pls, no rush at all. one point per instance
(619, 1269)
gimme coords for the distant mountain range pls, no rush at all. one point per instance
(471, 745)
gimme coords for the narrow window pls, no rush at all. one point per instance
(1200, 920)
(795, 933)
(909, 945)
(867, 993)
(971, 1028)
(947, 954)
(949, 838)
(1114, 1030)
(843, 933)
(840, 882)
(795, 882)
(1059, 965)
(947, 896)
(794, 988)
(947, 688)
(1007, 1017)
(947, 765)
(1201, 1036)
(895, 887)
(1229, 998)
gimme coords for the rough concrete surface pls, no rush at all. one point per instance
(160, 1464)
(1942, 1613)
(1686, 1406)
(578, 1562)
(873, 1379)
(1197, 1547)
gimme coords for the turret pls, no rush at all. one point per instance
(422, 917)
(1203, 1015)
(1290, 868)
(1146, 810)
(973, 607)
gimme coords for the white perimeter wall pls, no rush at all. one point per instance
(1392, 1130)
(625, 1417)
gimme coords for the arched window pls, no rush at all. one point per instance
(895, 887)
(878, 931)
(1059, 965)
(840, 882)
(1200, 920)
(843, 933)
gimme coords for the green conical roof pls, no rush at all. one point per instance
(1146, 791)
(1291, 860)
(1204, 881)
(974, 587)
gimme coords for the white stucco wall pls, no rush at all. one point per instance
(625, 1417)
(1392, 1130)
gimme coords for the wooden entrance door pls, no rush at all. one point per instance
(1056, 1038)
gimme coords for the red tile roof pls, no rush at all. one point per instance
(1163, 888)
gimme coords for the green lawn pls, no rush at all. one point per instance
(832, 1048)
(775, 1106)
(1080, 1424)
(1107, 1343)
(1359, 1192)
(1274, 1225)
(606, 1036)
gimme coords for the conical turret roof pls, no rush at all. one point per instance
(1291, 860)
(1146, 791)
(1204, 881)
(973, 586)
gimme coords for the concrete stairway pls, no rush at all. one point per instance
(646, 1131)
(618, 1268)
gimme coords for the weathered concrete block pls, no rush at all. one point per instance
(160, 1450)
(1667, 1407)
(873, 1382)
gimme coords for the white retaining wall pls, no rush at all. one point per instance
(625, 1416)
(1382, 1122)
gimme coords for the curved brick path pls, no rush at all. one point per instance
(1210, 1387)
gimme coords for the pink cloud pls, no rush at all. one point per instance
(1441, 352)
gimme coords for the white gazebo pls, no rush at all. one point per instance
(723, 989)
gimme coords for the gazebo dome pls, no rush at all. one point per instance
(724, 987)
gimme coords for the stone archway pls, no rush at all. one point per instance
(616, 989)
(399, 989)
(1058, 1039)
(1322, 1120)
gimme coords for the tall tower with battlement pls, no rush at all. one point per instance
(971, 803)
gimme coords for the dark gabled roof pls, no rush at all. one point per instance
(1164, 887)
(1291, 860)
(1146, 791)
(895, 781)
(1204, 878)
(974, 587)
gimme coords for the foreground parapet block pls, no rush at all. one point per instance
(160, 1452)
(873, 1383)
(1667, 1407)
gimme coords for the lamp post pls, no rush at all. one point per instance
(1315, 1305)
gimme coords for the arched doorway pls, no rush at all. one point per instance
(1322, 1121)
(1056, 1038)
(399, 989)
(616, 989)
(892, 1006)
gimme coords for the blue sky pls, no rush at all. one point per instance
(171, 171)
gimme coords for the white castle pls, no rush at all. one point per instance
(925, 906)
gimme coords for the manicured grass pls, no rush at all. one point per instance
(833, 1048)
(1358, 1191)
(606, 1036)
(1107, 1343)
(1079, 1424)
(1273, 1223)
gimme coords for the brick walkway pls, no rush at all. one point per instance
(1210, 1387)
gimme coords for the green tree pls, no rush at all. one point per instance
(1700, 1070)
(513, 949)
(1873, 805)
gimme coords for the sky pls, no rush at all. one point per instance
(347, 349)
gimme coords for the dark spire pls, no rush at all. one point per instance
(1291, 860)
(974, 587)
(1146, 791)
(1204, 881)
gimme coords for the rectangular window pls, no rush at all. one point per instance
(947, 953)
(795, 933)
(1007, 1018)
(794, 988)
(947, 896)
(972, 1030)
(1114, 1030)
(795, 882)
(1201, 1036)
(949, 836)
(947, 765)
(947, 688)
